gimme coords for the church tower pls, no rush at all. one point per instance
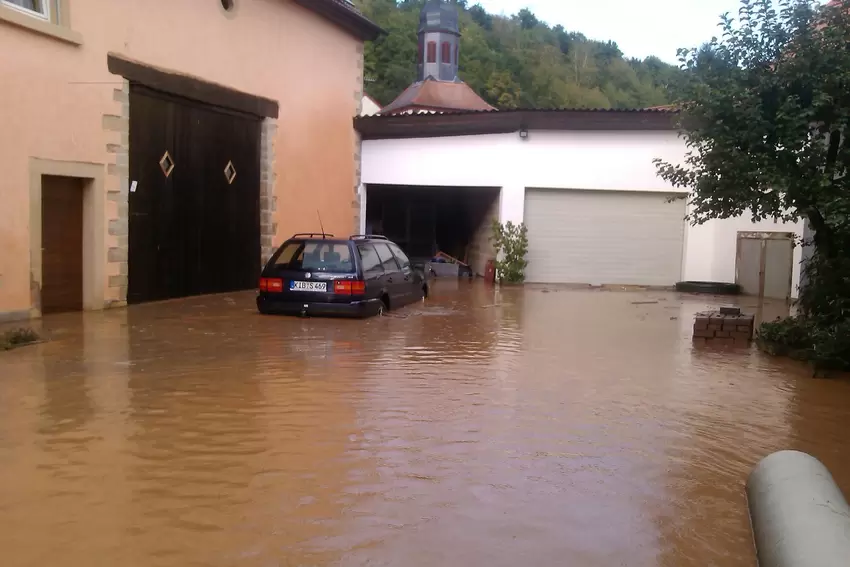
(438, 87)
(439, 41)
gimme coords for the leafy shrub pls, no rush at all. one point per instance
(831, 346)
(825, 345)
(820, 333)
(786, 337)
(511, 243)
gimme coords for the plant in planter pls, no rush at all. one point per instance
(511, 245)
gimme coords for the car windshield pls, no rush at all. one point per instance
(315, 256)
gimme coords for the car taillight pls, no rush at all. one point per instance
(348, 287)
(271, 284)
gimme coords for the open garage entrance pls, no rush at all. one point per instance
(425, 220)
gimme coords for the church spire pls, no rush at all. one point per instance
(438, 88)
(439, 41)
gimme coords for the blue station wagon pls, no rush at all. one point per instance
(317, 274)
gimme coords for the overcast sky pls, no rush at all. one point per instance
(640, 27)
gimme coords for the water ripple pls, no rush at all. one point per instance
(482, 427)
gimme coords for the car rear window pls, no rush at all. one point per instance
(315, 256)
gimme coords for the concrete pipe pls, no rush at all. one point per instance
(798, 514)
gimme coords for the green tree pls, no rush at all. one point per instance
(517, 61)
(504, 90)
(481, 17)
(510, 243)
(526, 18)
(390, 62)
(766, 112)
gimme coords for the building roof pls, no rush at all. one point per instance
(438, 15)
(344, 14)
(442, 96)
(464, 123)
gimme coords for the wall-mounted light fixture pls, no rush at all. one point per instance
(523, 133)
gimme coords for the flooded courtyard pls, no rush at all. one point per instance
(530, 426)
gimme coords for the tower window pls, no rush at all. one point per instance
(432, 52)
(447, 52)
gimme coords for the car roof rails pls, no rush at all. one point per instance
(367, 236)
(312, 234)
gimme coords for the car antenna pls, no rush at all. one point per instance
(320, 222)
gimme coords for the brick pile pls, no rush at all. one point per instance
(728, 326)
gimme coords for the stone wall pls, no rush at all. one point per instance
(268, 201)
(116, 127)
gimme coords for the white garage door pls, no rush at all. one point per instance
(604, 237)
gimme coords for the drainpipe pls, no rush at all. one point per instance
(798, 515)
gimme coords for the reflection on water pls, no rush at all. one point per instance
(538, 425)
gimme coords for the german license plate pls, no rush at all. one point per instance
(308, 286)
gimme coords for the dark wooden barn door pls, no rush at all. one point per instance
(194, 210)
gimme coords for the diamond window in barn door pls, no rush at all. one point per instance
(166, 164)
(229, 172)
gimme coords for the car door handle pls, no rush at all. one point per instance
(389, 280)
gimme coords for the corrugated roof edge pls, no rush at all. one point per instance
(652, 110)
(473, 122)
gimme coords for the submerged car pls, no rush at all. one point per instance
(317, 274)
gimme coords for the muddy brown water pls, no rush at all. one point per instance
(531, 427)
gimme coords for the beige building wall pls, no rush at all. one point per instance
(61, 109)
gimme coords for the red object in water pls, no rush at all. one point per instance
(490, 271)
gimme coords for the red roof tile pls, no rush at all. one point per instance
(431, 94)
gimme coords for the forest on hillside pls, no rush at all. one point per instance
(516, 62)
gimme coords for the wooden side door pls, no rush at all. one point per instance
(62, 244)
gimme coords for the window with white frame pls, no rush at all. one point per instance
(44, 9)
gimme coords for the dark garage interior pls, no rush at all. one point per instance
(425, 220)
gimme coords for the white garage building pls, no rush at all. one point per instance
(583, 182)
